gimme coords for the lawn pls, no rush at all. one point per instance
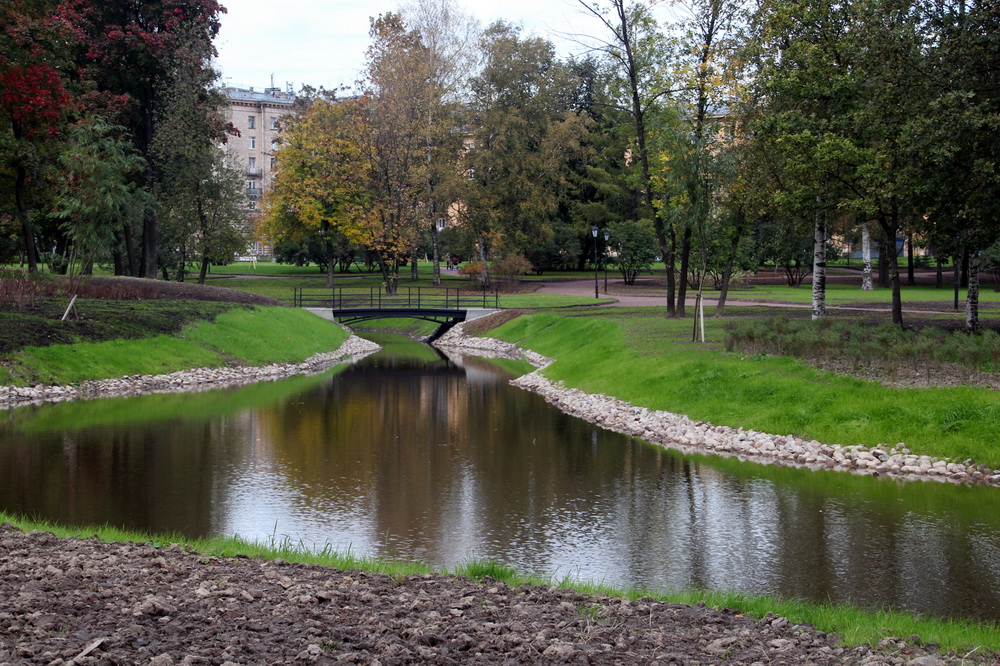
(638, 356)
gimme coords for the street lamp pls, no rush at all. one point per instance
(607, 237)
(593, 232)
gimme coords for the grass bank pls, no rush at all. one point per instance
(233, 335)
(638, 356)
(855, 626)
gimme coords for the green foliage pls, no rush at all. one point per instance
(635, 246)
(524, 133)
(98, 193)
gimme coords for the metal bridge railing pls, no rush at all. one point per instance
(416, 298)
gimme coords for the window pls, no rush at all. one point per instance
(252, 205)
(274, 163)
(251, 122)
(251, 184)
(440, 223)
(274, 122)
(253, 163)
(274, 144)
(252, 142)
(471, 175)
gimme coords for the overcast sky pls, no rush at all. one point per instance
(322, 43)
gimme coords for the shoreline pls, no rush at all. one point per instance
(184, 381)
(680, 433)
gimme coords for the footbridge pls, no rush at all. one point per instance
(446, 306)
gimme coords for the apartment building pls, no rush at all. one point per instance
(257, 116)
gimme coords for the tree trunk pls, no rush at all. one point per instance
(434, 249)
(20, 187)
(130, 253)
(939, 277)
(819, 267)
(911, 279)
(890, 225)
(203, 273)
(972, 298)
(149, 245)
(685, 260)
(668, 262)
(866, 254)
(727, 273)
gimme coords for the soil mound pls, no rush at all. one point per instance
(82, 601)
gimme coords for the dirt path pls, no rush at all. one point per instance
(73, 601)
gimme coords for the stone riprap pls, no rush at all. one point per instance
(197, 379)
(678, 432)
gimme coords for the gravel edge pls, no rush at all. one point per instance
(192, 380)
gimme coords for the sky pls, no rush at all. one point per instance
(322, 43)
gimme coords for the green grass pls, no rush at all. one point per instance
(246, 336)
(646, 360)
(855, 626)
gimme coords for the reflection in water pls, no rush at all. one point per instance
(417, 457)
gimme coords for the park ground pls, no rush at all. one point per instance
(523, 622)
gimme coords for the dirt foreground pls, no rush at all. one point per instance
(82, 601)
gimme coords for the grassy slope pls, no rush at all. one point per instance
(245, 336)
(642, 358)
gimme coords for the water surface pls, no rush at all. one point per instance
(409, 455)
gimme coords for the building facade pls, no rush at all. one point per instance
(257, 116)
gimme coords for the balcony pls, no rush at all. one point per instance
(253, 191)
(254, 171)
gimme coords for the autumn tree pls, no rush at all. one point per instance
(34, 102)
(393, 141)
(448, 37)
(321, 189)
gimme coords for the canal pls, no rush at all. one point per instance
(409, 455)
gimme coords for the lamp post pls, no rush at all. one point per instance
(607, 237)
(593, 232)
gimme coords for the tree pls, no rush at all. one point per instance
(634, 47)
(636, 246)
(695, 137)
(322, 187)
(841, 88)
(448, 37)
(98, 194)
(957, 137)
(524, 133)
(394, 141)
(34, 102)
(200, 197)
(129, 53)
